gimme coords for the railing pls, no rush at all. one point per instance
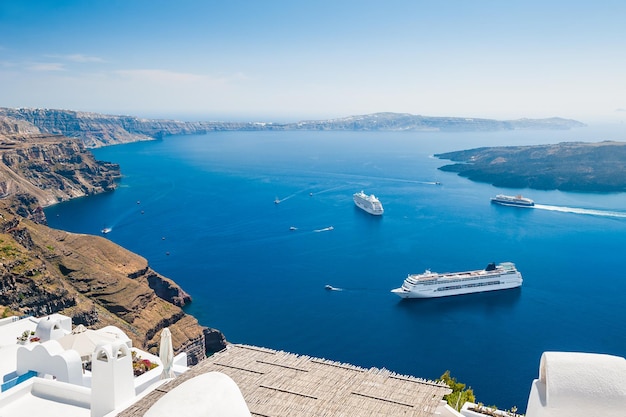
(17, 380)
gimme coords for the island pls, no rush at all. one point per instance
(567, 166)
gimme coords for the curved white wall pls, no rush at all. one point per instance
(575, 384)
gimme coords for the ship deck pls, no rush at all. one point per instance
(454, 275)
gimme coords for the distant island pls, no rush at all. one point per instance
(95, 129)
(568, 166)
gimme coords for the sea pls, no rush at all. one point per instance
(255, 225)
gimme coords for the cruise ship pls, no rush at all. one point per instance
(509, 200)
(368, 203)
(431, 284)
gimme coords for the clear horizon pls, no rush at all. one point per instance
(287, 61)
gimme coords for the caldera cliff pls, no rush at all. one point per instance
(88, 278)
(95, 129)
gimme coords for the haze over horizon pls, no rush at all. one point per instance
(288, 61)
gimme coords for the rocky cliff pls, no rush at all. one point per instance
(88, 278)
(94, 281)
(95, 129)
(51, 168)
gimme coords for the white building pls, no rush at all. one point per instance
(43, 368)
(574, 384)
(39, 371)
(578, 384)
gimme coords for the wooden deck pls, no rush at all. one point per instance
(281, 384)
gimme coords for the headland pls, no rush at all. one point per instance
(568, 166)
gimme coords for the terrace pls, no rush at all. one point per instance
(47, 364)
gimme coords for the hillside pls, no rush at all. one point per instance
(95, 129)
(570, 166)
(88, 278)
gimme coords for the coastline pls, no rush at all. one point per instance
(75, 274)
(595, 167)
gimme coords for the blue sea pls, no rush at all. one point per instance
(202, 210)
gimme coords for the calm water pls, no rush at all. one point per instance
(201, 210)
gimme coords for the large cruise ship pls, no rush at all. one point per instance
(509, 200)
(431, 284)
(369, 203)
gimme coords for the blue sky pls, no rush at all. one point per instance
(290, 60)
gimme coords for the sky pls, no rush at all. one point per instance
(295, 60)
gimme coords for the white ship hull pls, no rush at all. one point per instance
(432, 285)
(368, 203)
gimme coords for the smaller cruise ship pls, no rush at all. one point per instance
(509, 200)
(368, 203)
(431, 284)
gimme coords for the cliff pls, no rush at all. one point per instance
(88, 278)
(94, 281)
(96, 129)
(51, 168)
(410, 122)
(569, 166)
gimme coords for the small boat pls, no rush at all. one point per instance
(509, 200)
(106, 230)
(328, 287)
(293, 228)
(276, 201)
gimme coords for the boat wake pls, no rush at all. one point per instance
(365, 181)
(576, 210)
(326, 229)
(331, 288)
(405, 181)
(339, 187)
(280, 200)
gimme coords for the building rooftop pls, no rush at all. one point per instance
(47, 365)
(275, 383)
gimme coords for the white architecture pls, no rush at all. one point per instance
(49, 358)
(573, 384)
(212, 394)
(40, 374)
(578, 384)
(112, 381)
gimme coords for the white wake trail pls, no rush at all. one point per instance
(577, 210)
